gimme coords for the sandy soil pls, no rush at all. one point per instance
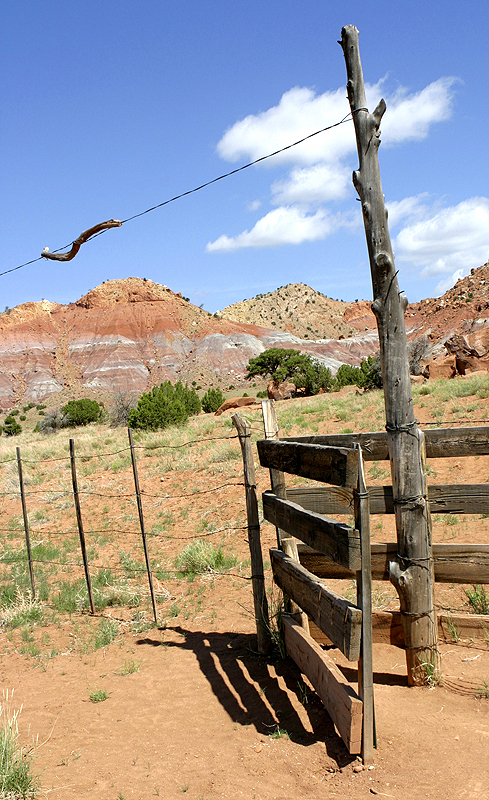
(193, 710)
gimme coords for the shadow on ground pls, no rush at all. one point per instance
(248, 687)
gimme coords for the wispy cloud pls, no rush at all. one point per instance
(320, 169)
(449, 241)
(284, 225)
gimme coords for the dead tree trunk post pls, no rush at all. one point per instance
(411, 572)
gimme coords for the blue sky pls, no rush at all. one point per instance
(109, 108)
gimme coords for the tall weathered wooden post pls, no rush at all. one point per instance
(412, 571)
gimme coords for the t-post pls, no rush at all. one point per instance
(412, 570)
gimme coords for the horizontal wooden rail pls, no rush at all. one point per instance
(335, 465)
(440, 442)
(340, 620)
(454, 563)
(339, 698)
(444, 499)
(387, 628)
(335, 540)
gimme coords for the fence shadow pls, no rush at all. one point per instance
(252, 693)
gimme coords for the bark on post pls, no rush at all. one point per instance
(411, 572)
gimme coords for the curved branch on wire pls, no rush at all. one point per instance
(102, 226)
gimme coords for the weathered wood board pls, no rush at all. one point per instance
(387, 628)
(339, 698)
(335, 540)
(335, 465)
(339, 619)
(440, 442)
(443, 499)
(454, 563)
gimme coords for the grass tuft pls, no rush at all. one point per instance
(478, 598)
(16, 777)
(200, 557)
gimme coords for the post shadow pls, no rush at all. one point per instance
(234, 671)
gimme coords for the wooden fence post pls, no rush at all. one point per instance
(412, 569)
(277, 478)
(243, 428)
(80, 524)
(364, 601)
(26, 521)
(141, 523)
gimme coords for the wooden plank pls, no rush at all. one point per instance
(335, 465)
(289, 546)
(454, 563)
(387, 628)
(440, 442)
(339, 698)
(337, 541)
(339, 619)
(461, 498)
(463, 626)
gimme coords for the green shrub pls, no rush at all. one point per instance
(367, 376)
(22, 417)
(81, 412)
(165, 405)
(14, 412)
(11, 427)
(212, 400)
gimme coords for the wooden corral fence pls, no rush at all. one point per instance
(328, 549)
(347, 626)
(453, 563)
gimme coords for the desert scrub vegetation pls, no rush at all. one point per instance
(165, 405)
(17, 779)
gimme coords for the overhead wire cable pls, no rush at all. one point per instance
(196, 189)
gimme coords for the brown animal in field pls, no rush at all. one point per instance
(235, 402)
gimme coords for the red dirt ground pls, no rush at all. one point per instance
(197, 718)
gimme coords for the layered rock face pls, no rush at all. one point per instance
(129, 334)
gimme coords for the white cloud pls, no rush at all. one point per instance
(410, 116)
(315, 185)
(301, 112)
(451, 240)
(298, 113)
(444, 286)
(321, 171)
(254, 205)
(411, 208)
(284, 225)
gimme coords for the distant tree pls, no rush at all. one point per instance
(290, 365)
(165, 405)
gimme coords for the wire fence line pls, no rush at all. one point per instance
(37, 553)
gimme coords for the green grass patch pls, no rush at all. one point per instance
(200, 557)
